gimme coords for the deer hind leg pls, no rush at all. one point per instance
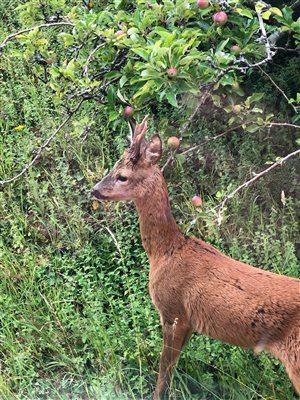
(288, 352)
(175, 335)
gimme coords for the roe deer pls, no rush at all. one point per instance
(194, 286)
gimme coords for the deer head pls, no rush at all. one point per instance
(133, 175)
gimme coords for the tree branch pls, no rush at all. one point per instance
(221, 206)
(198, 146)
(271, 124)
(268, 125)
(264, 36)
(43, 146)
(85, 69)
(295, 5)
(285, 49)
(14, 35)
(278, 88)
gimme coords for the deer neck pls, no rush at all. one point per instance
(159, 231)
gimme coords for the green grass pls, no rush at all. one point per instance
(79, 323)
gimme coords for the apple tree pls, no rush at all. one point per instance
(127, 58)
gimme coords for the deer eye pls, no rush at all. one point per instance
(122, 178)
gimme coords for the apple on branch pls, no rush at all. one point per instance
(197, 201)
(220, 18)
(128, 111)
(173, 142)
(172, 71)
(202, 4)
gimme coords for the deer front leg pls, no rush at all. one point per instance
(175, 335)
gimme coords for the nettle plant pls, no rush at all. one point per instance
(145, 52)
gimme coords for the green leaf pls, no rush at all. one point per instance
(276, 11)
(113, 115)
(111, 95)
(227, 80)
(244, 12)
(145, 89)
(257, 110)
(171, 97)
(252, 128)
(255, 97)
(69, 70)
(121, 97)
(266, 15)
(67, 38)
(55, 72)
(141, 52)
(150, 73)
(259, 6)
(222, 45)
(113, 74)
(132, 31)
(123, 80)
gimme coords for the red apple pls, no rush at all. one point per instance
(202, 3)
(172, 71)
(220, 18)
(128, 111)
(173, 142)
(197, 201)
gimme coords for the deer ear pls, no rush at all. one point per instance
(153, 149)
(131, 125)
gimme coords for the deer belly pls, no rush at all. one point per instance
(252, 327)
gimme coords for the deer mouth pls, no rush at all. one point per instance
(98, 196)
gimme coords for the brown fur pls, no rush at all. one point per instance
(197, 288)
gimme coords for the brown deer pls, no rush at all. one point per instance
(195, 287)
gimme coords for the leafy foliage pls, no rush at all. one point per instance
(76, 317)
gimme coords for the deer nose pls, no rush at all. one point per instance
(95, 193)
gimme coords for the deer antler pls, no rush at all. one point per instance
(138, 139)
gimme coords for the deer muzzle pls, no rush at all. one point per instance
(95, 193)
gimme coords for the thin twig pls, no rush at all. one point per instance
(14, 35)
(280, 161)
(285, 49)
(269, 125)
(85, 69)
(43, 146)
(198, 146)
(282, 124)
(279, 89)
(295, 5)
